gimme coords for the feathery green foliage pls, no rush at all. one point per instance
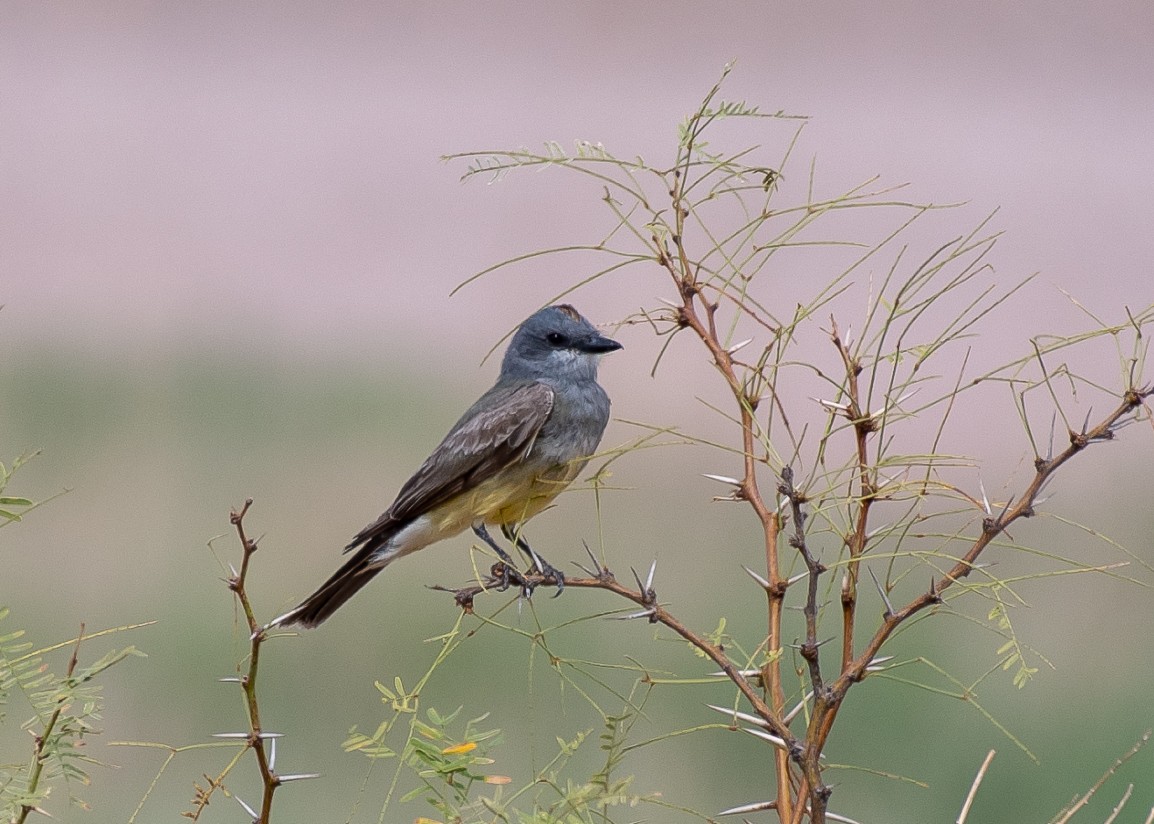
(65, 710)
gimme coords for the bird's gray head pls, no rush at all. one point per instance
(556, 343)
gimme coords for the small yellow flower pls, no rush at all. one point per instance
(458, 749)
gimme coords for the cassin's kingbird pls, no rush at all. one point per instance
(508, 456)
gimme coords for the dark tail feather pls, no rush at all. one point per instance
(333, 593)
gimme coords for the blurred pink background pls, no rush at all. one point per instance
(268, 173)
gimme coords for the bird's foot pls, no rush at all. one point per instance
(482, 533)
(502, 575)
(546, 569)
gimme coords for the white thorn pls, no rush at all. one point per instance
(738, 715)
(764, 583)
(230, 735)
(246, 807)
(985, 500)
(772, 739)
(749, 673)
(738, 346)
(649, 577)
(230, 680)
(298, 777)
(755, 807)
(642, 614)
(724, 479)
(836, 407)
(892, 404)
(873, 533)
(789, 716)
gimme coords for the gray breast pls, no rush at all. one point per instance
(574, 430)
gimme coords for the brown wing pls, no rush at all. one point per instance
(496, 431)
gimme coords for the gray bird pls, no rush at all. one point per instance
(504, 461)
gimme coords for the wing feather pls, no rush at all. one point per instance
(497, 431)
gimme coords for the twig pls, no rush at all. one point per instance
(864, 425)
(1067, 814)
(974, 788)
(991, 527)
(809, 650)
(698, 314)
(1118, 807)
(653, 611)
(256, 737)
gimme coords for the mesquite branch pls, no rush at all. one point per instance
(811, 793)
(863, 426)
(712, 297)
(644, 596)
(261, 742)
(698, 314)
(992, 526)
(256, 738)
(809, 649)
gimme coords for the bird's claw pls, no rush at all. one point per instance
(502, 574)
(557, 575)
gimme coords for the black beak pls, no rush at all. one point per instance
(599, 345)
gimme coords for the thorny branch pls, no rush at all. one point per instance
(992, 527)
(698, 314)
(863, 426)
(256, 740)
(801, 793)
(812, 793)
(814, 568)
(645, 597)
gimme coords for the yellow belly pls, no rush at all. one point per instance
(511, 498)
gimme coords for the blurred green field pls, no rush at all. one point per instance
(155, 451)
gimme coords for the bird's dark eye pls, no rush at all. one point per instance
(556, 339)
